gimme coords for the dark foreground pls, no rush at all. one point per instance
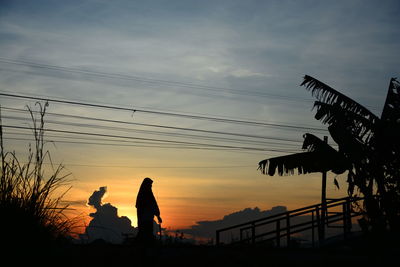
(361, 253)
(211, 256)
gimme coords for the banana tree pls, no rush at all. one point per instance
(369, 150)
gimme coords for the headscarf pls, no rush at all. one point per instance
(145, 198)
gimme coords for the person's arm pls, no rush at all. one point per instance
(157, 211)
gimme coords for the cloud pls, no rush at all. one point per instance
(106, 224)
(95, 198)
(205, 42)
(206, 229)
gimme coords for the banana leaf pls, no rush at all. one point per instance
(320, 157)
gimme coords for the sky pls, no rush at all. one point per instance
(240, 61)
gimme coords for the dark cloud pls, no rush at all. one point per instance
(106, 224)
(206, 229)
(95, 198)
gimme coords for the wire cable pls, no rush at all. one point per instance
(147, 139)
(160, 126)
(147, 132)
(146, 80)
(181, 115)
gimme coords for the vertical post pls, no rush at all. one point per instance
(345, 227)
(323, 201)
(288, 230)
(217, 238)
(318, 224)
(346, 217)
(348, 207)
(278, 233)
(312, 229)
(253, 233)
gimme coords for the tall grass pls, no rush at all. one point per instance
(30, 198)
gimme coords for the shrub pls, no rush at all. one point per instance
(32, 214)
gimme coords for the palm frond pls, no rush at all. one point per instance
(327, 94)
(349, 145)
(337, 161)
(304, 162)
(315, 144)
(320, 157)
(333, 114)
(391, 110)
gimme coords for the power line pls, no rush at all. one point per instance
(128, 142)
(153, 167)
(146, 80)
(148, 139)
(102, 140)
(265, 143)
(152, 108)
(150, 145)
(181, 115)
(160, 126)
(137, 144)
(154, 81)
(191, 136)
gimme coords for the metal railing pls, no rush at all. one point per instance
(283, 226)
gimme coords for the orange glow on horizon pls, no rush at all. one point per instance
(184, 204)
(186, 197)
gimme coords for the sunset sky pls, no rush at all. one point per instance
(215, 86)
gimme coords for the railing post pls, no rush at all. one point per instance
(344, 212)
(312, 229)
(278, 233)
(217, 238)
(253, 233)
(346, 217)
(349, 224)
(319, 225)
(288, 230)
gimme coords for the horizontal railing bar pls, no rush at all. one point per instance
(275, 220)
(337, 219)
(337, 216)
(295, 231)
(284, 230)
(329, 204)
(291, 232)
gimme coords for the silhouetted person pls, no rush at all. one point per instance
(147, 208)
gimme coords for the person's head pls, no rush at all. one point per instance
(144, 192)
(147, 183)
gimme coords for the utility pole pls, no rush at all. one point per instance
(323, 202)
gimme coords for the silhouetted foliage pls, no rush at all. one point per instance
(318, 158)
(369, 150)
(32, 215)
